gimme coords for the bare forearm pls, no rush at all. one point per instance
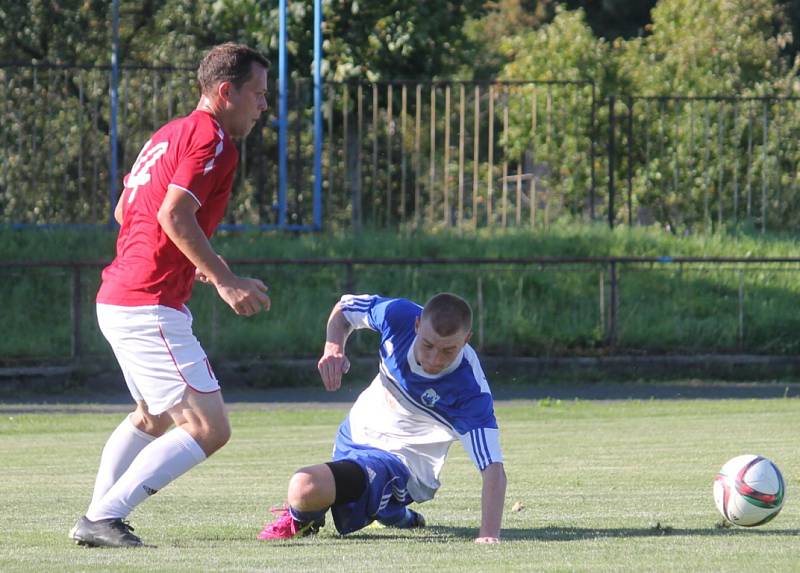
(334, 364)
(187, 235)
(338, 329)
(493, 497)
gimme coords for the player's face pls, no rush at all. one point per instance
(247, 103)
(434, 352)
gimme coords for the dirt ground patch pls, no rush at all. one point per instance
(116, 399)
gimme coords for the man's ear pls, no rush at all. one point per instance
(416, 324)
(224, 91)
(468, 338)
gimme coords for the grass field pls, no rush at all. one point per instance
(606, 486)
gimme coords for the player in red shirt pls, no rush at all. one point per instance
(174, 198)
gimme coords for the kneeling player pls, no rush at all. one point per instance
(389, 451)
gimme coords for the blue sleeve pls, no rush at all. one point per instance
(475, 406)
(377, 312)
(358, 309)
(475, 412)
(479, 433)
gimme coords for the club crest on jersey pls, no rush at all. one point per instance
(429, 397)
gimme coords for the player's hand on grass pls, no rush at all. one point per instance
(332, 366)
(244, 295)
(487, 540)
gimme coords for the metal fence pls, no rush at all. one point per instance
(457, 153)
(703, 163)
(448, 153)
(523, 306)
(454, 153)
(55, 144)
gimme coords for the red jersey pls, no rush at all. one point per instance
(192, 153)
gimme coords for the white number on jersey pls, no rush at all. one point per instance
(140, 172)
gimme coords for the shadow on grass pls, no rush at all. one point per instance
(444, 533)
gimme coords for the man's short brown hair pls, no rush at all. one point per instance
(228, 62)
(448, 314)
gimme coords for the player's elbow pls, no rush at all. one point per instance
(168, 218)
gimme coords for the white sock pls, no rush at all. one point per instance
(122, 447)
(164, 460)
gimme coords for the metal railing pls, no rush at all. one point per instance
(524, 306)
(457, 153)
(703, 163)
(55, 143)
(453, 153)
(420, 153)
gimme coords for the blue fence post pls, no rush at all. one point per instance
(114, 89)
(317, 114)
(283, 119)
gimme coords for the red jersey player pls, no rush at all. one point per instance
(175, 196)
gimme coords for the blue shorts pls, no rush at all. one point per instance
(386, 495)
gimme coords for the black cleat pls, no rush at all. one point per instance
(417, 521)
(104, 533)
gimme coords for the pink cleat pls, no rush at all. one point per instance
(285, 527)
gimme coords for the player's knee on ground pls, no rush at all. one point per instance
(318, 487)
(311, 488)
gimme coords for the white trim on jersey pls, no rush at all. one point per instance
(417, 368)
(409, 402)
(477, 371)
(189, 192)
(217, 151)
(355, 309)
(482, 446)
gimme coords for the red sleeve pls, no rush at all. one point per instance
(203, 168)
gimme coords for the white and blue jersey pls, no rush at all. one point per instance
(414, 415)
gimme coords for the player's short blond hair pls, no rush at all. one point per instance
(229, 62)
(448, 314)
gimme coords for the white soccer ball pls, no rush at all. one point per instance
(749, 490)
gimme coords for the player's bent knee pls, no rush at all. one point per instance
(311, 487)
(303, 483)
(218, 436)
(210, 437)
(222, 439)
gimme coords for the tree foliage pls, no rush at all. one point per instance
(363, 40)
(616, 47)
(706, 48)
(690, 162)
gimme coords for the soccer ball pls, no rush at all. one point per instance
(749, 490)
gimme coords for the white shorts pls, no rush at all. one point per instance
(158, 353)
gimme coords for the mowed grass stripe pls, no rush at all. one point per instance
(605, 486)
